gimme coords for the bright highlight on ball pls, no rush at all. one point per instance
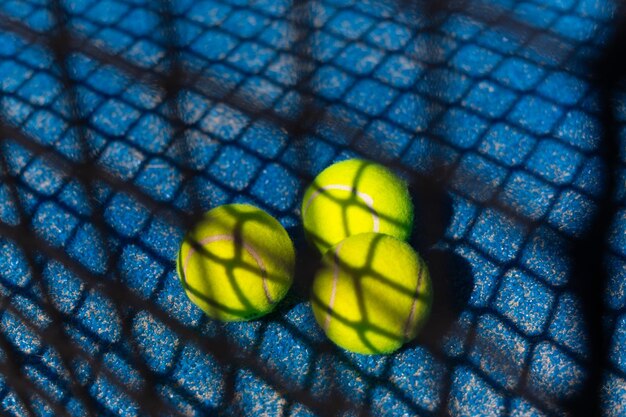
(352, 197)
(372, 294)
(237, 263)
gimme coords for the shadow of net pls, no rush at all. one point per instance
(117, 137)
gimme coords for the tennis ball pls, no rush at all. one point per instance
(372, 293)
(236, 263)
(355, 196)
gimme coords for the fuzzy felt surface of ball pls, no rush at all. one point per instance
(355, 196)
(372, 294)
(237, 263)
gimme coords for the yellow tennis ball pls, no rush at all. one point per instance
(372, 294)
(355, 196)
(237, 263)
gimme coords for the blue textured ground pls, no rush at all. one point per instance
(518, 126)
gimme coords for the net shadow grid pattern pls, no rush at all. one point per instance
(122, 121)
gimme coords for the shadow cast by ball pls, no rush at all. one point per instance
(433, 212)
(307, 264)
(451, 277)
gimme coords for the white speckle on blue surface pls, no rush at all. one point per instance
(114, 117)
(525, 301)
(499, 351)
(53, 223)
(145, 53)
(11, 403)
(470, 396)
(485, 274)
(45, 126)
(528, 195)
(121, 159)
(523, 129)
(477, 177)
(571, 213)
(616, 291)
(159, 179)
(111, 395)
(419, 377)
(567, 326)
(14, 268)
(613, 393)
(156, 341)
(140, 271)
(98, 316)
(19, 334)
(66, 289)
(522, 408)
(553, 373)
(199, 375)
(224, 122)
(545, 255)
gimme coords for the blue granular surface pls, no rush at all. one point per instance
(515, 125)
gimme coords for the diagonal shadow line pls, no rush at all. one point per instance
(172, 87)
(15, 377)
(489, 13)
(191, 80)
(591, 276)
(57, 43)
(149, 377)
(23, 386)
(84, 171)
(511, 212)
(171, 213)
(242, 103)
(528, 223)
(485, 344)
(309, 115)
(139, 402)
(97, 366)
(32, 145)
(500, 17)
(177, 219)
(218, 346)
(85, 177)
(188, 79)
(57, 333)
(11, 369)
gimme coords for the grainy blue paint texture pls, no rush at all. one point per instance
(517, 125)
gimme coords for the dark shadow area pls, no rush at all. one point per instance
(589, 253)
(451, 276)
(433, 212)
(315, 123)
(307, 263)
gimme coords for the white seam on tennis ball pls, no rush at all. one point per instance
(255, 255)
(331, 301)
(367, 199)
(415, 299)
